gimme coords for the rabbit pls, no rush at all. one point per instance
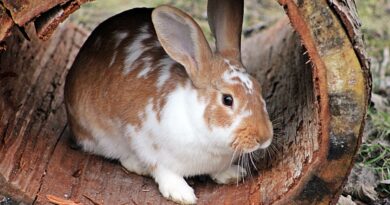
(146, 89)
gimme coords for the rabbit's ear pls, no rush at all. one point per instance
(225, 21)
(183, 40)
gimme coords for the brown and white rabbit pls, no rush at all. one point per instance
(146, 89)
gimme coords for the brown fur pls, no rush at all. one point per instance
(106, 90)
(225, 20)
(99, 92)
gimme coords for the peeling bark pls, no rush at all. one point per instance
(47, 15)
(6, 25)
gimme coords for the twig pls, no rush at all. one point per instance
(382, 69)
(91, 200)
(253, 29)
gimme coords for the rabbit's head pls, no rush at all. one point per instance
(235, 109)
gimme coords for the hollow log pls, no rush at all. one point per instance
(316, 82)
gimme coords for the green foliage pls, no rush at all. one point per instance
(375, 152)
(377, 157)
(381, 122)
(375, 16)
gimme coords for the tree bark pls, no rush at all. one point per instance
(315, 80)
(338, 96)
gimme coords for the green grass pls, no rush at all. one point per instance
(377, 157)
(375, 153)
(381, 122)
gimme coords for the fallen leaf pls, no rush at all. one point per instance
(61, 201)
(385, 181)
(345, 200)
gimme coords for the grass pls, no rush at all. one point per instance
(377, 157)
(375, 152)
(381, 122)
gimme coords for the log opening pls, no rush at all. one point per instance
(313, 80)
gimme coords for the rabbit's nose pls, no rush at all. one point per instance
(266, 143)
(264, 134)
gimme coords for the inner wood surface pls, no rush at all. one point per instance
(36, 158)
(279, 61)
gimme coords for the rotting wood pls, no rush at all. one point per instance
(347, 12)
(23, 11)
(32, 115)
(278, 61)
(48, 22)
(6, 25)
(341, 79)
(47, 15)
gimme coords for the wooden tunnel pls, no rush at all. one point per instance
(315, 78)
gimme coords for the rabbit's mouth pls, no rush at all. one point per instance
(249, 150)
(265, 144)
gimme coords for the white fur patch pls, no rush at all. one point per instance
(264, 105)
(239, 72)
(165, 71)
(266, 143)
(111, 145)
(229, 76)
(118, 38)
(181, 134)
(144, 138)
(113, 58)
(147, 67)
(233, 67)
(135, 49)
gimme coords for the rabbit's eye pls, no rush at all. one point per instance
(227, 100)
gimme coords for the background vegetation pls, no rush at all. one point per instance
(369, 182)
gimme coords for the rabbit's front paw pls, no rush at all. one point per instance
(232, 174)
(178, 191)
(174, 187)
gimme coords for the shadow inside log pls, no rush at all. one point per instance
(280, 62)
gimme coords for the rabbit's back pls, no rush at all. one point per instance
(119, 70)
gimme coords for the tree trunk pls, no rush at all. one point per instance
(315, 80)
